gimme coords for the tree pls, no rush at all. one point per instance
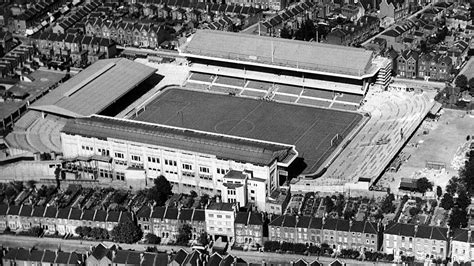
(387, 204)
(152, 239)
(452, 186)
(204, 200)
(31, 183)
(203, 239)
(329, 204)
(414, 211)
(471, 84)
(161, 191)
(463, 200)
(447, 201)
(439, 192)
(184, 234)
(466, 173)
(193, 194)
(285, 33)
(126, 232)
(423, 185)
(461, 81)
(35, 231)
(458, 218)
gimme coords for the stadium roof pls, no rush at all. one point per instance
(237, 149)
(315, 57)
(309, 129)
(95, 88)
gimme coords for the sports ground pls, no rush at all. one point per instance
(310, 129)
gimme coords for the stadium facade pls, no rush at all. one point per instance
(138, 152)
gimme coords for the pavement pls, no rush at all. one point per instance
(83, 246)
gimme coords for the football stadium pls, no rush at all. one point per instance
(252, 114)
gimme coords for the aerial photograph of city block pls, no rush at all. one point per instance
(236, 132)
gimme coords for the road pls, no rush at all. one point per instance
(84, 246)
(393, 25)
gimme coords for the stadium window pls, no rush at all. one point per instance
(166, 162)
(136, 158)
(203, 169)
(187, 167)
(119, 155)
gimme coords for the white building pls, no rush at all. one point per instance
(135, 153)
(220, 220)
(462, 246)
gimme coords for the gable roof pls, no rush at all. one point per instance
(331, 59)
(158, 212)
(199, 215)
(74, 95)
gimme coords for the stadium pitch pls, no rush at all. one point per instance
(312, 130)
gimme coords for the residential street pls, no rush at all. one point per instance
(84, 246)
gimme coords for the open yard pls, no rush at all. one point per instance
(439, 145)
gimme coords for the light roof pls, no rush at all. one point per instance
(327, 58)
(95, 88)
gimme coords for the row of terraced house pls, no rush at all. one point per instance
(81, 48)
(61, 220)
(218, 219)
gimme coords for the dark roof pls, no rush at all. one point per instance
(171, 213)
(62, 257)
(133, 258)
(185, 214)
(158, 212)
(3, 209)
(100, 216)
(439, 233)
(423, 231)
(370, 228)
(121, 257)
(11, 254)
(343, 225)
(51, 212)
(290, 221)
(277, 221)
(144, 212)
(63, 213)
(241, 218)
(461, 235)
(75, 214)
(88, 215)
(330, 224)
(255, 219)
(14, 210)
(100, 251)
(316, 223)
(23, 254)
(26, 211)
(199, 215)
(114, 216)
(400, 229)
(303, 222)
(49, 256)
(36, 255)
(180, 256)
(38, 211)
(222, 206)
(357, 226)
(214, 260)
